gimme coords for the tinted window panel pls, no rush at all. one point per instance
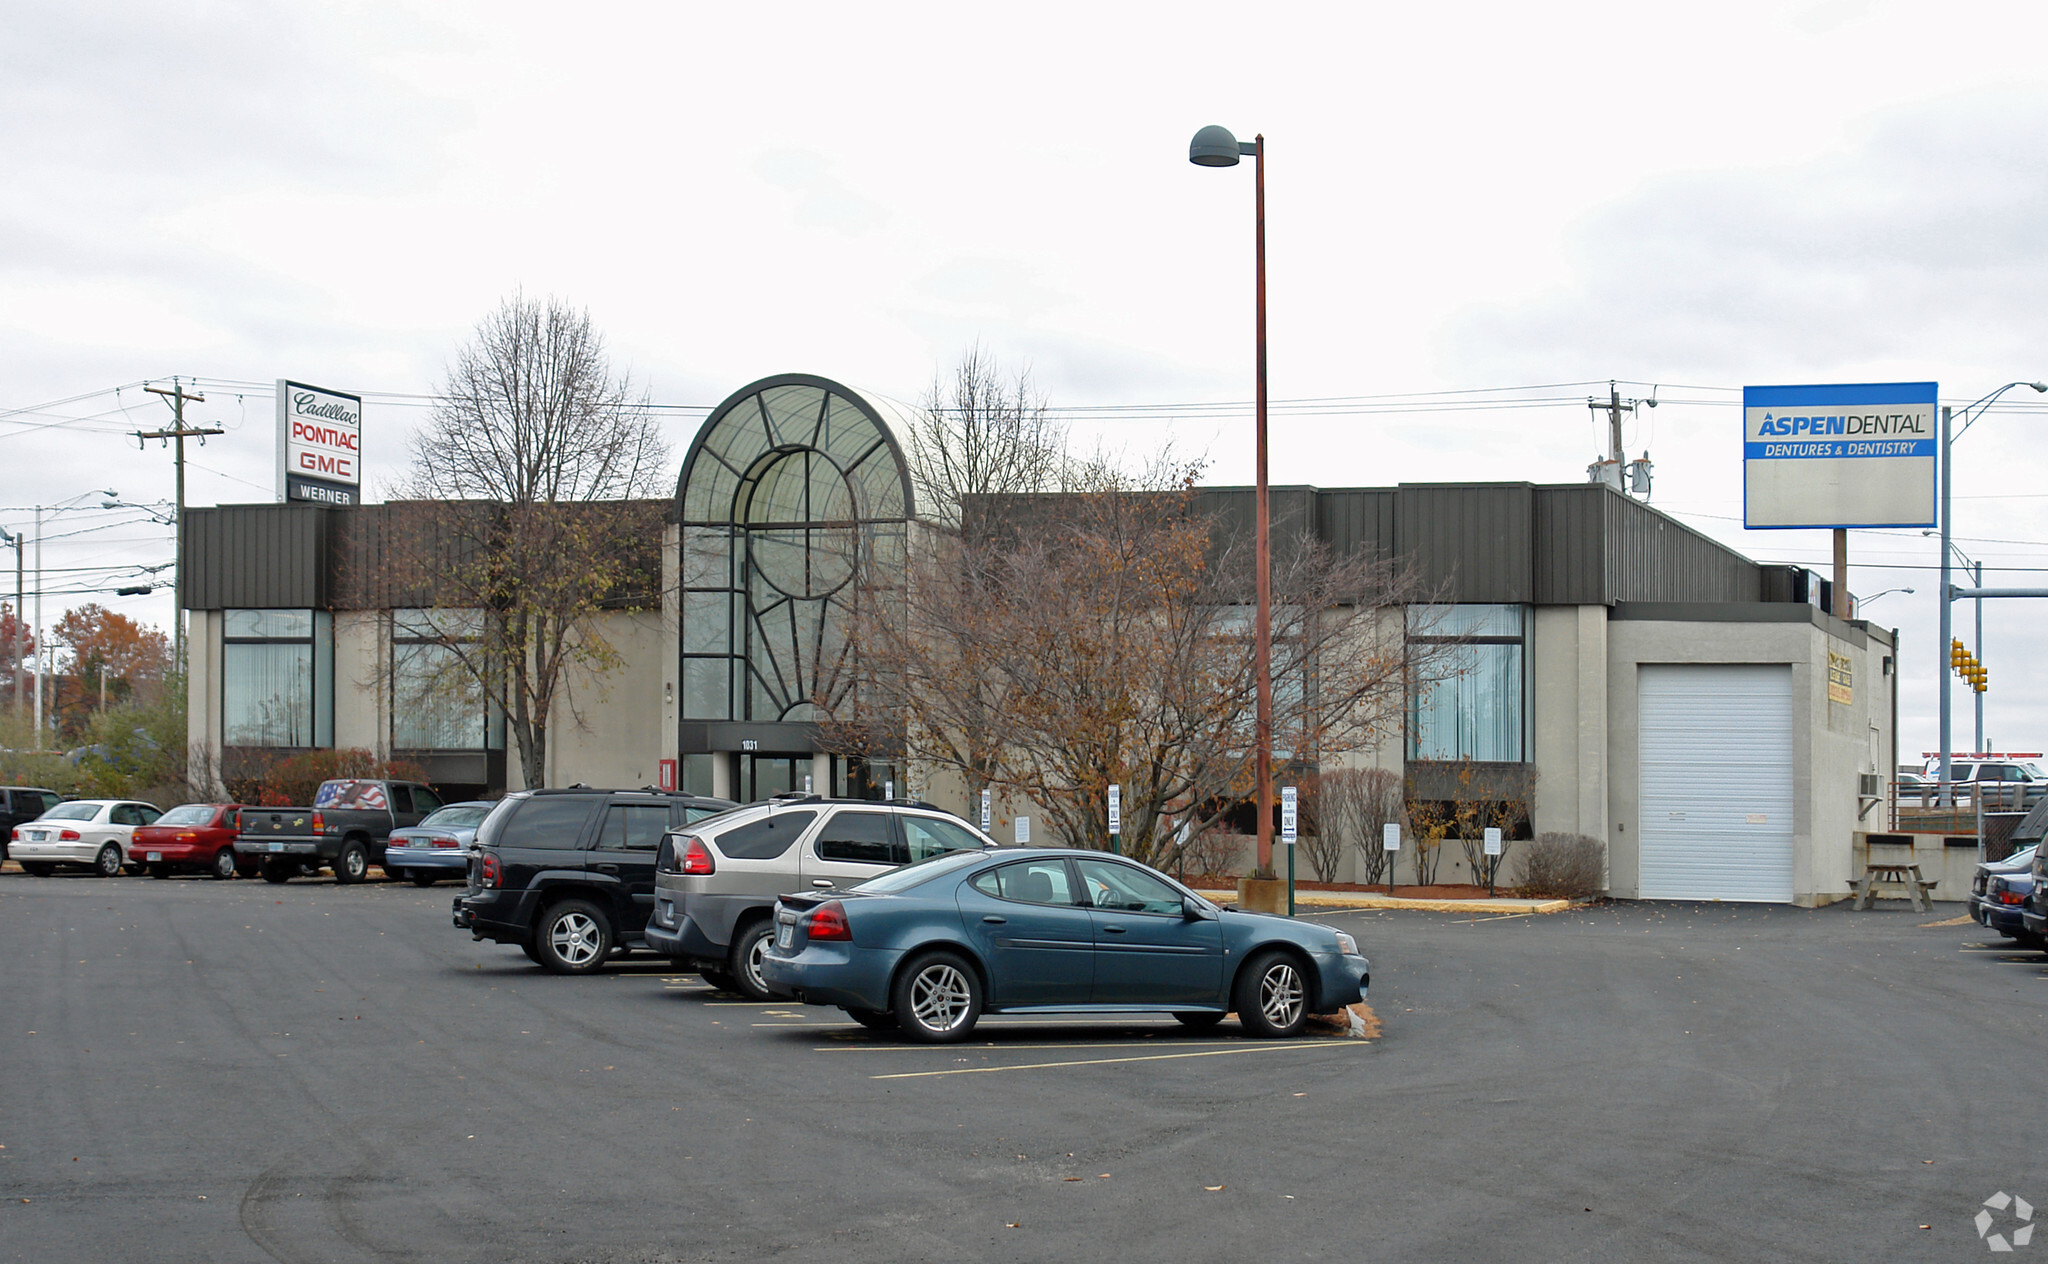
(546, 822)
(766, 838)
(1042, 881)
(634, 826)
(988, 883)
(424, 800)
(862, 838)
(930, 836)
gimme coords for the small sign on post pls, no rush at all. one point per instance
(1390, 838)
(888, 789)
(807, 783)
(1290, 832)
(1023, 830)
(1492, 857)
(1493, 840)
(986, 798)
(1116, 817)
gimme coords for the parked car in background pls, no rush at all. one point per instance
(933, 946)
(20, 805)
(89, 833)
(715, 885)
(1998, 896)
(438, 847)
(344, 827)
(2006, 783)
(568, 875)
(191, 836)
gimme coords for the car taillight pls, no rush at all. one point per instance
(14, 835)
(67, 836)
(488, 871)
(697, 859)
(442, 842)
(319, 822)
(828, 921)
(185, 836)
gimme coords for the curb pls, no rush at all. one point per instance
(1363, 900)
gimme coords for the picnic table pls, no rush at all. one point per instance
(1920, 890)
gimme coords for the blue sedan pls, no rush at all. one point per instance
(438, 847)
(933, 946)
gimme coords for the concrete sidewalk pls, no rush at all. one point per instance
(1372, 900)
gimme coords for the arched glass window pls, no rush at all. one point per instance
(795, 506)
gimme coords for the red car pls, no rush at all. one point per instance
(190, 836)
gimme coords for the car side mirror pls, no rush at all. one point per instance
(1193, 911)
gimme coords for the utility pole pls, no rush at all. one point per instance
(179, 432)
(14, 541)
(1611, 468)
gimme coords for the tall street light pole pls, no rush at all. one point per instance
(1216, 147)
(1947, 589)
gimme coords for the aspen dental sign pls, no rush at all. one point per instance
(319, 444)
(1840, 456)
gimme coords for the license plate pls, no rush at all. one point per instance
(785, 937)
(277, 847)
(156, 855)
(39, 835)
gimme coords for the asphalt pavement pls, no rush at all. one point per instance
(232, 1071)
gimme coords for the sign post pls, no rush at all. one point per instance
(985, 805)
(1023, 831)
(1116, 819)
(1390, 838)
(1290, 827)
(1492, 857)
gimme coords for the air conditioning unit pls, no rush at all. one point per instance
(1867, 786)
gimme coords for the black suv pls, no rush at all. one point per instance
(20, 805)
(568, 875)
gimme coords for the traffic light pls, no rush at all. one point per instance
(1958, 657)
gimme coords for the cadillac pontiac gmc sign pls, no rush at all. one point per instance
(1840, 456)
(319, 444)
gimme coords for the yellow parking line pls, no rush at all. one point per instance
(1157, 1057)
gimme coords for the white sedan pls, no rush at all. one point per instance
(89, 832)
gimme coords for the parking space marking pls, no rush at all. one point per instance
(986, 1048)
(1156, 1057)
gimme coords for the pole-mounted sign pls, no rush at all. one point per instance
(1023, 830)
(1290, 813)
(1116, 818)
(319, 444)
(1840, 456)
(986, 804)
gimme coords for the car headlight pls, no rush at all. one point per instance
(1346, 944)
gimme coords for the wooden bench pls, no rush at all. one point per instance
(1918, 889)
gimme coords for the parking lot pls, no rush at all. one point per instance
(235, 1071)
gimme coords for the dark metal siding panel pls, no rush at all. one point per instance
(1473, 538)
(1652, 557)
(258, 557)
(1570, 549)
(1358, 519)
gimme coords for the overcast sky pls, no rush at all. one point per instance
(1479, 197)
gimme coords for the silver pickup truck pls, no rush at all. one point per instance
(715, 883)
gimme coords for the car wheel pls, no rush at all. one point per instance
(223, 866)
(1199, 1022)
(937, 998)
(108, 863)
(873, 1019)
(574, 937)
(38, 868)
(743, 960)
(423, 877)
(718, 979)
(352, 865)
(392, 874)
(1271, 997)
(159, 870)
(280, 871)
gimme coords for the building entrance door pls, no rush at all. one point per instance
(763, 776)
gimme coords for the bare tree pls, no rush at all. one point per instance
(1100, 635)
(535, 439)
(981, 434)
(1355, 805)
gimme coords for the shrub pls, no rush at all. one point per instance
(1564, 866)
(292, 782)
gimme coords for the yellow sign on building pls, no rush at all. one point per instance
(1841, 678)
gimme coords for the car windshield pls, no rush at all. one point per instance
(457, 817)
(924, 870)
(72, 812)
(187, 814)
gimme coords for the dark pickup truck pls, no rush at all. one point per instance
(345, 829)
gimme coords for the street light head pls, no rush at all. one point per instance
(2040, 386)
(1213, 146)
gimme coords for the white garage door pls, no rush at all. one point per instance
(1716, 782)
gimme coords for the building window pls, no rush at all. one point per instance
(1468, 699)
(277, 678)
(437, 703)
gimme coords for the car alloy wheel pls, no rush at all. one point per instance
(1271, 996)
(575, 937)
(745, 961)
(937, 999)
(224, 863)
(352, 865)
(108, 863)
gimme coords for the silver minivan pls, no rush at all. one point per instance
(715, 882)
